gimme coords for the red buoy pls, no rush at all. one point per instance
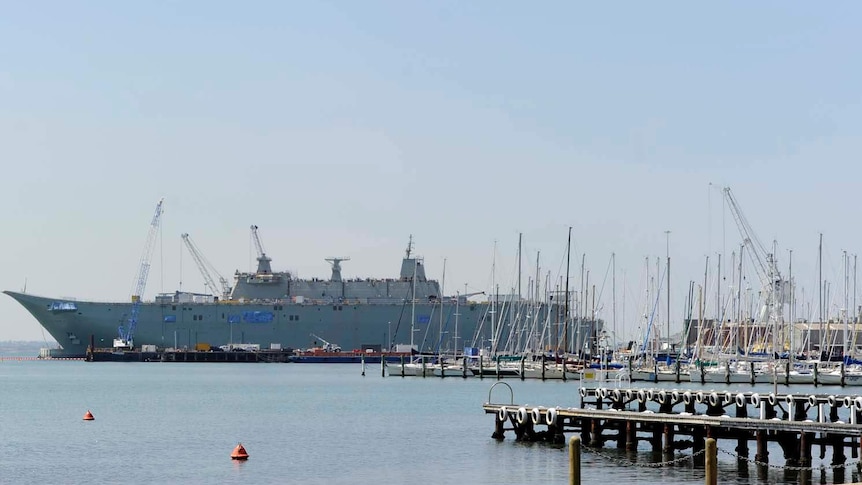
(88, 416)
(239, 453)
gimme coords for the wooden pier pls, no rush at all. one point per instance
(676, 420)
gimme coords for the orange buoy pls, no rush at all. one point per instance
(88, 416)
(239, 453)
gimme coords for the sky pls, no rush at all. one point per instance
(342, 128)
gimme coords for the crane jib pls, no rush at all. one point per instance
(127, 334)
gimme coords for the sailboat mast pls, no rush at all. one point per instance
(690, 313)
(520, 236)
(536, 304)
(773, 273)
(792, 326)
(667, 254)
(594, 337)
(855, 313)
(657, 305)
(440, 298)
(496, 293)
(582, 303)
(718, 309)
(455, 337)
(648, 290)
(515, 311)
(844, 316)
(582, 339)
(537, 275)
(624, 298)
(700, 311)
(739, 297)
(566, 311)
(705, 275)
(614, 297)
(820, 288)
(413, 305)
(846, 302)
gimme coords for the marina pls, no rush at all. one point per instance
(405, 364)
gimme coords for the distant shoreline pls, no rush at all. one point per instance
(23, 348)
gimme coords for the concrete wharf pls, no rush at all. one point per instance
(675, 420)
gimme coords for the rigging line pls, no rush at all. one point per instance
(654, 308)
(445, 326)
(428, 327)
(634, 300)
(604, 282)
(477, 335)
(401, 315)
(560, 267)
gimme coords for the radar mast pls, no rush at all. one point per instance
(336, 267)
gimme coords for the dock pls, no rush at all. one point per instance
(239, 355)
(182, 355)
(675, 420)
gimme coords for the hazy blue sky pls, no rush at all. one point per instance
(340, 128)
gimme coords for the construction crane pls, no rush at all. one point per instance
(207, 269)
(263, 261)
(764, 261)
(127, 333)
(329, 347)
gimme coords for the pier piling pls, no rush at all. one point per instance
(711, 462)
(574, 461)
(762, 453)
(500, 425)
(631, 436)
(668, 440)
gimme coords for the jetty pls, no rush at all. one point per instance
(671, 421)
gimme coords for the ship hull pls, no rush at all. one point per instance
(186, 325)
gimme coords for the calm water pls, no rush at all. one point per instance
(301, 423)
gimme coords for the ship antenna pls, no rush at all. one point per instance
(409, 247)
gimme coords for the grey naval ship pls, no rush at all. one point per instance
(274, 310)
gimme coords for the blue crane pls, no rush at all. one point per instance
(127, 332)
